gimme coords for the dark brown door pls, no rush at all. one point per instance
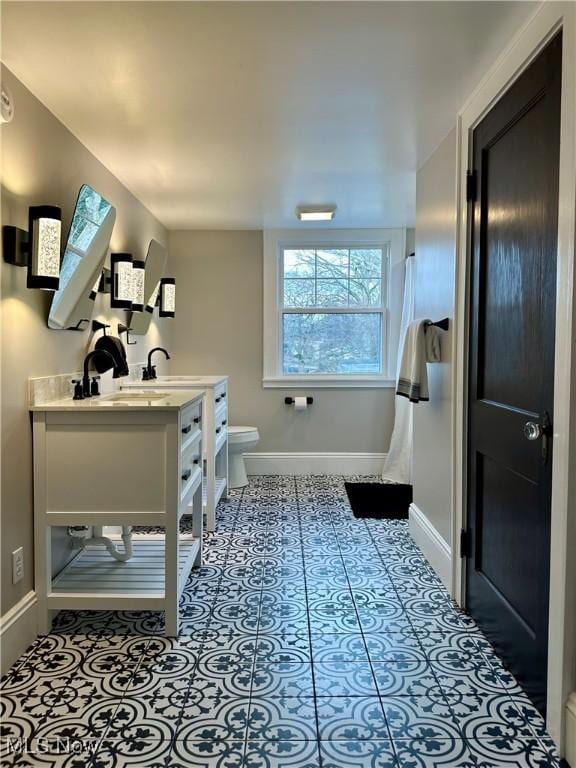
(513, 287)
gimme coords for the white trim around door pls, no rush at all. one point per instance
(546, 21)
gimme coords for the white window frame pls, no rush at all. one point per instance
(393, 244)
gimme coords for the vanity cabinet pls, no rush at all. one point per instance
(113, 461)
(215, 431)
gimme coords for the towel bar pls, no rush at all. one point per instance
(443, 324)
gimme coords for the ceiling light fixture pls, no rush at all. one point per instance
(315, 212)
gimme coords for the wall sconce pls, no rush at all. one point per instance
(38, 249)
(167, 297)
(138, 279)
(121, 268)
(154, 299)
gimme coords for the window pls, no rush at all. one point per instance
(332, 310)
(332, 306)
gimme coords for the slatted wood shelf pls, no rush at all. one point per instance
(94, 577)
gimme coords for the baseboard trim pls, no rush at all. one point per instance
(18, 629)
(314, 463)
(571, 730)
(433, 545)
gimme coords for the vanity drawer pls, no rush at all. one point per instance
(190, 440)
(220, 412)
(221, 425)
(190, 421)
(188, 490)
(220, 436)
(190, 469)
(220, 394)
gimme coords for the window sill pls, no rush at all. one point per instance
(328, 382)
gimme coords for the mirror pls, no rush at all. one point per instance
(86, 249)
(155, 266)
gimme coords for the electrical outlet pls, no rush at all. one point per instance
(17, 565)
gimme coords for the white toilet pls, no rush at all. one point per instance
(240, 441)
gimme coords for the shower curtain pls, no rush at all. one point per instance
(398, 464)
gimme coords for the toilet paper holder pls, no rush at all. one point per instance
(290, 400)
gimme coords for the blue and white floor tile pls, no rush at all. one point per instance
(310, 639)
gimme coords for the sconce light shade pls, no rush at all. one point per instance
(153, 300)
(44, 232)
(167, 297)
(39, 248)
(121, 267)
(138, 279)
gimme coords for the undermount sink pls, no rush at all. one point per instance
(124, 397)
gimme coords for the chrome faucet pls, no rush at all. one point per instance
(149, 373)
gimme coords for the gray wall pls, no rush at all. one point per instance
(219, 330)
(434, 298)
(42, 162)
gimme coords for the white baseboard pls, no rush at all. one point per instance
(436, 550)
(18, 629)
(571, 730)
(314, 463)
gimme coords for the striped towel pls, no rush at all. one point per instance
(432, 336)
(413, 378)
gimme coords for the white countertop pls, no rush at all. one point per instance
(174, 400)
(209, 382)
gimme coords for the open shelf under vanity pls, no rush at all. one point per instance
(95, 580)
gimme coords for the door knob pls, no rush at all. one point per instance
(532, 430)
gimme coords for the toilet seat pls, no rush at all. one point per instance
(242, 434)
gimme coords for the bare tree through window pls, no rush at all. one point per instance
(332, 310)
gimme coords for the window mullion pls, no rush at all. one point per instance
(334, 310)
(315, 276)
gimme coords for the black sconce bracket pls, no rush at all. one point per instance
(98, 326)
(105, 282)
(15, 246)
(442, 324)
(124, 329)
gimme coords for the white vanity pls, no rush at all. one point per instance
(215, 431)
(124, 459)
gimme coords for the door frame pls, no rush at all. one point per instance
(547, 20)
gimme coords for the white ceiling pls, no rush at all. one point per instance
(228, 115)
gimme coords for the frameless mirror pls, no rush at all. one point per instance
(155, 266)
(86, 249)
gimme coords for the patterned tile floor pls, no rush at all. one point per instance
(310, 639)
